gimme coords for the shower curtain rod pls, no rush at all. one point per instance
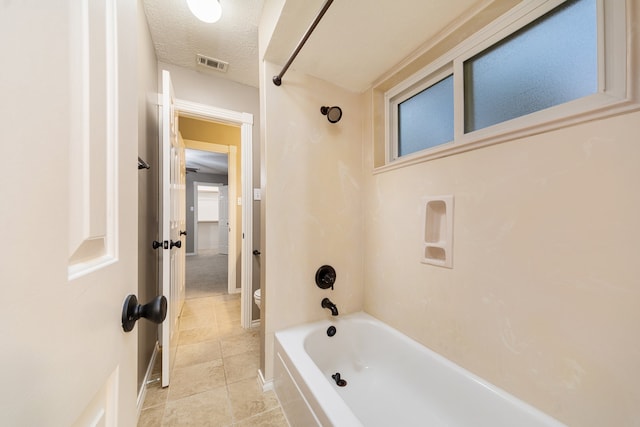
(277, 80)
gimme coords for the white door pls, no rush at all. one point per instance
(179, 217)
(172, 182)
(223, 220)
(68, 212)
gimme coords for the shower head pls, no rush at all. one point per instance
(334, 114)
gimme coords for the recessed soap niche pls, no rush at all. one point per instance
(438, 231)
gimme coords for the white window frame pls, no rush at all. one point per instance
(407, 91)
(615, 92)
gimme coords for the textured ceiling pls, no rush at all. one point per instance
(178, 36)
(207, 162)
(356, 42)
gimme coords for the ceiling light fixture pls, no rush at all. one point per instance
(208, 11)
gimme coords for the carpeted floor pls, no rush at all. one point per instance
(206, 274)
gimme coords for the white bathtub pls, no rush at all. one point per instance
(391, 381)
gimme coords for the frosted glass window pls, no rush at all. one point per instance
(426, 119)
(551, 61)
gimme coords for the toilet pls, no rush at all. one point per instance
(257, 297)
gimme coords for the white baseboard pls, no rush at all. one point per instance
(255, 323)
(265, 385)
(147, 377)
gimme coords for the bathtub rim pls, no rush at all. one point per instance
(341, 413)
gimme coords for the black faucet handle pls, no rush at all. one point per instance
(325, 277)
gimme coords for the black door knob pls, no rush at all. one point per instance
(256, 252)
(155, 311)
(156, 244)
(177, 244)
(183, 232)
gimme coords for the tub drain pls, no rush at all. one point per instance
(339, 381)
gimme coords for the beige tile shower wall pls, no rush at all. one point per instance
(544, 296)
(312, 201)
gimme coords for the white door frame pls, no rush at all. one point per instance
(245, 121)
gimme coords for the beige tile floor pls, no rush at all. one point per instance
(214, 376)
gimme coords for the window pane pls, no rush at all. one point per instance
(426, 119)
(551, 61)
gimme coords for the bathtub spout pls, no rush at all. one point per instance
(326, 303)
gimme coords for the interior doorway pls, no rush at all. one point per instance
(210, 266)
(213, 163)
(207, 265)
(240, 198)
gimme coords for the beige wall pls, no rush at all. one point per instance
(209, 89)
(210, 132)
(147, 188)
(312, 201)
(543, 296)
(544, 292)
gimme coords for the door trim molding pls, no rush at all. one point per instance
(245, 122)
(148, 378)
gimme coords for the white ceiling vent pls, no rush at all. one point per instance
(212, 63)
